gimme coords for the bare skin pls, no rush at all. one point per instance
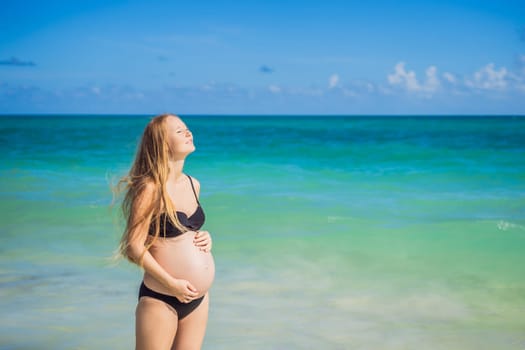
(181, 258)
(159, 327)
(181, 266)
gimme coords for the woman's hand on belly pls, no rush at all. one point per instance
(184, 290)
(184, 260)
(202, 240)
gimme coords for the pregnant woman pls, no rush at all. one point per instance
(163, 220)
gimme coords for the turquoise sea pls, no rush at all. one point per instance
(329, 232)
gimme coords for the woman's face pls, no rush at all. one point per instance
(180, 137)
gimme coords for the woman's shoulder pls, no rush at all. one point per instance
(148, 190)
(195, 183)
(149, 186)
(144, 194)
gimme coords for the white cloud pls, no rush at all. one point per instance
(432, 83)
(404, 78)
(408, 80)
(349, 93)
(313, 92)
(449, 77)
(274, 89)
(360, 87)
(208, 87)
(306, 91)
(488, 78)
(333, 81)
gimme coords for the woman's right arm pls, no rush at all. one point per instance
(182, 289)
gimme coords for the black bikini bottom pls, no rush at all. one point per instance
(183, 309)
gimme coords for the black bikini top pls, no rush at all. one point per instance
(192, 222)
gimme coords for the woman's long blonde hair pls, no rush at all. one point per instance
(149, 167)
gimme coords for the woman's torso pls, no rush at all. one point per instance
(175, 251)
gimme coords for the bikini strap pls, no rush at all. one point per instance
(193, 188)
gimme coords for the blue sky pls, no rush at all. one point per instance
(272, 57)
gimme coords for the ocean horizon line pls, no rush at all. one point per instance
(236, 115)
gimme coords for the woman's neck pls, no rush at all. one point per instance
(175, 167)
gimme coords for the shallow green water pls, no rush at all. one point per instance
(329, 232)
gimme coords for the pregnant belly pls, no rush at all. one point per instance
(182, 259)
